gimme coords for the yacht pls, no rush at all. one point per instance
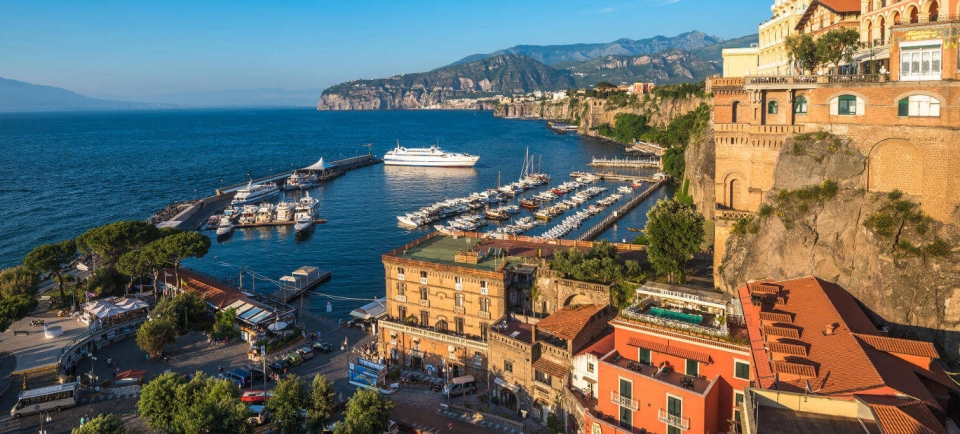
(225, 226)
(301, 180)
(254, 193)
(625, 190)
(432, 156)
(284, 211)
(305, 213)
(265, 213)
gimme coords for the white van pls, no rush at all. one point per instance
(464, 385)
(52, 398)
(258, 415)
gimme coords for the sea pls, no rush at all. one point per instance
(67, 172)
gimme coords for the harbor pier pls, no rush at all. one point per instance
(602, 225)
(299, 282)
(626, 162)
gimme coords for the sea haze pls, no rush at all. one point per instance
(68, 172)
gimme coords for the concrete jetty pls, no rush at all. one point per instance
(625, 162)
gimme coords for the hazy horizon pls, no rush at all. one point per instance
(138, 50)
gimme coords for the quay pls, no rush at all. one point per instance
(602, 225)
(619, 177)
(626, 162)
(300, 281)
(193, 216)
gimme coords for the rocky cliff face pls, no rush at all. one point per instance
(700, 167)
(672, 66)
(591, 113)
(904, 267)
(506, 74)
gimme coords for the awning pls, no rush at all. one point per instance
(504, 384)
(277, 326)
(375, 309)
(319, 165)
(878, 54)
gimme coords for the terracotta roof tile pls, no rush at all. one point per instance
(209, 290)
(791, 349)
(763, 287)
(544, 365)
(567, 323)
(897, 415)
(776, 317)
(841, 5)
(783, 332)
(665, 348)
(799, 369)
(601, 345)
(643, 343)
(900, 346)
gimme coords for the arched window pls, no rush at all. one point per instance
(933, 11)
(772, 108)
(883, 31)
(919, 105)
(800, 105)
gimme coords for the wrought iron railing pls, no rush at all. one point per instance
(673, 420)
(623, 401)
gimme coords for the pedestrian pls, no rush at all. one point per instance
(220, 368)
(83, 420)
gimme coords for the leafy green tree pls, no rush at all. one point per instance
(367, 412)
(158, 400)
(180, 246)
(675, 232)
(223, 325)
(184, 310)
(107, 423)
(290, 396)
(52, 258)
(320, 407)
(802, 50)
(18, 280)
(837, 45)
(209, 405)
(113, 240)
(15, 308)
(153, 335)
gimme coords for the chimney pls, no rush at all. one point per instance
(533, 333)
(828, 331)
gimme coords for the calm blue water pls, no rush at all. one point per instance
(67, 172)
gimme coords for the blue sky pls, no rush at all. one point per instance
(137, 48)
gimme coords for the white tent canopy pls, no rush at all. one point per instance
(320, 165)
(107, 308)
(374, 309)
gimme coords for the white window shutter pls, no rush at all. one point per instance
(860, 106)
(833, 106)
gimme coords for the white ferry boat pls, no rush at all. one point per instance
(432, 156)
(254, 193)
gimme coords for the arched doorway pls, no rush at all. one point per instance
(881, 25)
(734, 199)
(733, 111)
(508, 399)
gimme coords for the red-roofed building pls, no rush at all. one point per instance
(675, 365)
(836, 352)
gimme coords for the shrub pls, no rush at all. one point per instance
(765, 210)
(820, 135)
(938, 248)
(797, 149)
(882, 223)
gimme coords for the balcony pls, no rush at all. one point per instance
(425, 303)
(682, 383)
(677, 421)
(400, 277)
(448, 337)
(401, 298)
(458, 309)
(459, 286)
(483, 314)
(623, 401)
(423, 280)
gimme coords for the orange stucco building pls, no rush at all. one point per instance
(675, 365)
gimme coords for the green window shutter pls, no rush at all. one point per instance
(693, 368)
(903, 107)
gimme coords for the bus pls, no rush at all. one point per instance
(51, 398)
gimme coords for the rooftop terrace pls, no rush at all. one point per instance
(444, 249)
(664, 375)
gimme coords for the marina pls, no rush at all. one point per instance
(602, 225)
(626, 162)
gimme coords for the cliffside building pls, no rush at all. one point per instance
(819, 360)
(678, 362)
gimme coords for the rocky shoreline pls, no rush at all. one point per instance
(170, 211)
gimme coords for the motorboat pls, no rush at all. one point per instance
(302, 181)
(625, 190)
(305, 212)
(225, 226)
(265, 213)
(284, 211)
(529, 204)
(432, 156)
(255, 193)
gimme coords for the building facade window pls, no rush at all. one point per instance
(400, 273)
(424, 293)
(484, 305)
(737, 400)
(674, 408)
(483, 287)
(590, 367)
(507, 366)
(401, 288)
(772, 107)
(459, 323)
(847, 105)
(425, 318)
(483, 330)
(920, 61)
(693, 368)
(423, 277)
(458, 281)
(440, 326)
(919, 105)
(543, 377)
(800, 105)
(458, 300)
(626, 417)
(402, 313)
(741, 370)
(644, 357)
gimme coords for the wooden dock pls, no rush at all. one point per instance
(602, 225)
(625, 162)
(287, 293)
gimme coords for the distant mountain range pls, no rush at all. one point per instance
(18, 96)
(691, 56)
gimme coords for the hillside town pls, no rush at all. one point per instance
(832, 217)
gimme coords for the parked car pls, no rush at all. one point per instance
(256, 396)
(322, 346)
(258, 415)
(306, 353)
(464, 385)
(294, 359)
(257, 375)
(278, 366)
(239, 376)
(392, 428)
